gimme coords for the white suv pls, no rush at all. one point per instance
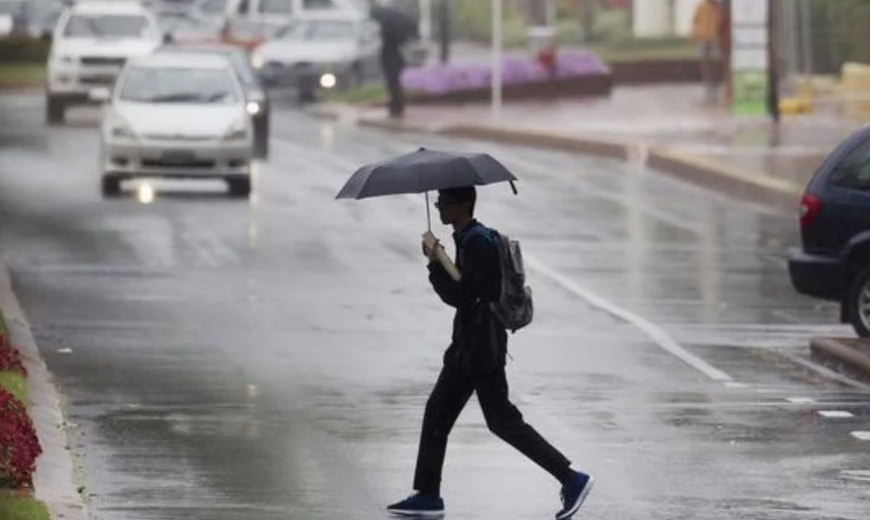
(92, 40)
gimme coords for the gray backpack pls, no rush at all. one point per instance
(514, 307)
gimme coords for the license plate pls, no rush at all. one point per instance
(177, 156)
(98, 78)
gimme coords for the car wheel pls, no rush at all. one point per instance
(261, 144)
(54, 111)
(357, 77)
(306, 96)
(110, 186)
(239, 187)
(858, 303)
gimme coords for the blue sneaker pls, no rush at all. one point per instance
(574, 493)
(418, 505)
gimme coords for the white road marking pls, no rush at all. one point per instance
(655, 332)
(856, 474)
(826, 372)
(801, 400)
(836, 414)
(861, 435)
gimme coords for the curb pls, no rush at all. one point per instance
(53, 481)
(844, 353)
(21, 88)
(685, 167)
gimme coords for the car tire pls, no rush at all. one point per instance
(357, 77)
(858, 303)
(55, 111)
(306, 95)
(261, 146)
(239, 186)
(110, 186)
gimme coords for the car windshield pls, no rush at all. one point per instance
(237, 58)
(179, 85)
(319, 30)
(181, 25)
(106, 25)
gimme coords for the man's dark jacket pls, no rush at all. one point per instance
(479, 340)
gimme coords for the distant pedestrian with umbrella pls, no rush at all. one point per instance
(485, 284)
(397, 29)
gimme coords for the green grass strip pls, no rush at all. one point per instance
(16, 507)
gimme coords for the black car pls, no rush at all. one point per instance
(833, 262)
(258, 104)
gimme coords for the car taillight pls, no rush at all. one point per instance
(810, 208)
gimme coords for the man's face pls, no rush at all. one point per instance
(449, 209)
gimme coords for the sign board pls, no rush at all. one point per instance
(749, 56)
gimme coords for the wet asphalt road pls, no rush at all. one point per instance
(270, 359)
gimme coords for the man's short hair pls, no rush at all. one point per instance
(461, 194)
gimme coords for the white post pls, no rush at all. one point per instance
(426, 21)
(551, 13)
(496, 58)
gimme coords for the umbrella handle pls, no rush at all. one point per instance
(428, 214)
(514, 187)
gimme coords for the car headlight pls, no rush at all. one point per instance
(63, 59)
(253, 108)
(328, 80)
(236, 132)
(257, 61)
(120, 129)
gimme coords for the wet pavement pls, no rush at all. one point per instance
(672, 117)
(270, 359)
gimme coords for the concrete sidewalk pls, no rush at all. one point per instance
(666, 127)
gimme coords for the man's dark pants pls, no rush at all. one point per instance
(392, 68)
(452, 391)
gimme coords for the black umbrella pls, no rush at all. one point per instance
(423, 171)
(396, 26)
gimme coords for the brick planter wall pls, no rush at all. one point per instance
(588, 86)
(656, 71)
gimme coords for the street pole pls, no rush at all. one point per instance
(496, 58)
(806, 40)
(773, 59)
(551, 13)
(444, 25)
(426, 22)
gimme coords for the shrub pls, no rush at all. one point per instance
(19, 445)
(23, 49)
(516, 69)
(10, 358)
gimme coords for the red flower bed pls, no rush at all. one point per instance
(19, 445)
(10, 358)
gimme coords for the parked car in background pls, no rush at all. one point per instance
(180, 27)
(318, 53)
(91, 42)
(833, 262)
(258, 104)
(14, 18)
(176, 115)
(267, 16)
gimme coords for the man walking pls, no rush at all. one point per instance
(474, 362)
(396, 30)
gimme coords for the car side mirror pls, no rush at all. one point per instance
(100, 94)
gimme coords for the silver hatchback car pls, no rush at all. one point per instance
(176, 115)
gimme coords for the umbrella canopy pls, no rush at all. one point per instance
(396, 26)
(425, 170)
